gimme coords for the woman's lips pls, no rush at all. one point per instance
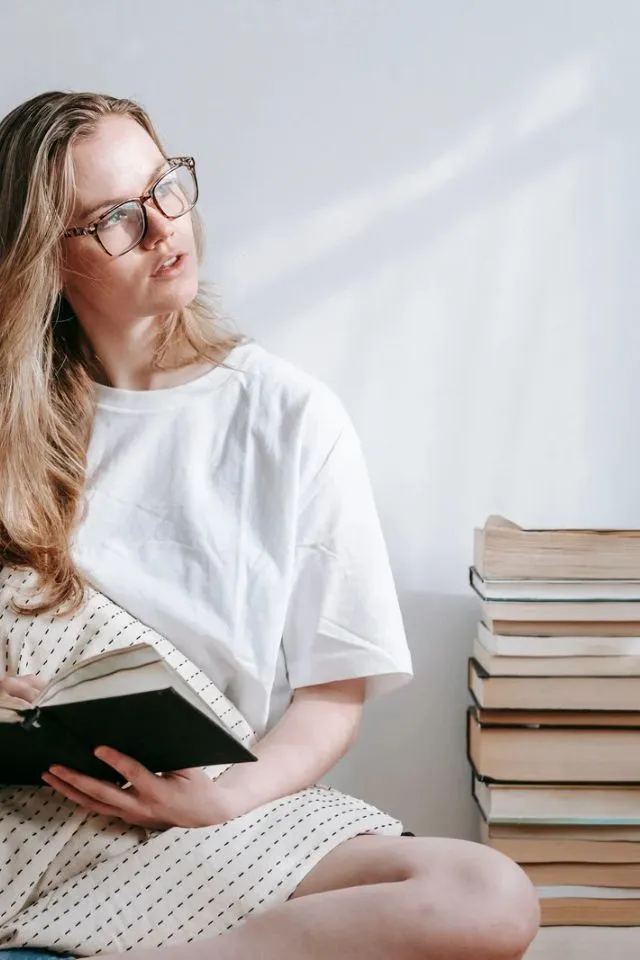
(171, 267)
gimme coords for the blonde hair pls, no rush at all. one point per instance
(46, 393)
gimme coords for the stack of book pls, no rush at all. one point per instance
(554, 730)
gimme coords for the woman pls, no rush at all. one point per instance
(219, 496)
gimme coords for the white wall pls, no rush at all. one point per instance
(433, 206)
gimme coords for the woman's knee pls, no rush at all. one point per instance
(489, 907)
(506, 905)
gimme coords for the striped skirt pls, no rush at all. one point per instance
(79, 883)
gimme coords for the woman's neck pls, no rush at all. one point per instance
(122, 357)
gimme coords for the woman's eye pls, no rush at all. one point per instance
(167, 184)
(114, 218)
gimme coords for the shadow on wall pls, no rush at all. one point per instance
(505, 146)
(410, 758)
(481, 272)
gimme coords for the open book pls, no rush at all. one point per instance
(129, 699)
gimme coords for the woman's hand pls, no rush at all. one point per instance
(315, 731)
(25, 689)
(183, 798)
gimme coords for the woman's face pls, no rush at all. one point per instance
(120, 162)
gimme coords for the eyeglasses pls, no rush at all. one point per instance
(124, 226)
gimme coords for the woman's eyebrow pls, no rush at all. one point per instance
(90, 212)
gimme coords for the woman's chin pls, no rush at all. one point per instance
(176, 295)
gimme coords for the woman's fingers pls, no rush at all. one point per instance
(99, 790)
(133, 772)
(101, 797)
(23, 688)
(87, 801)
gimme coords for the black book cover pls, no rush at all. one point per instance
(160, 729)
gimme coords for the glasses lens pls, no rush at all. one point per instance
(122, 228)
(177, 192)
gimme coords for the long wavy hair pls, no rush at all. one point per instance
(47, 397)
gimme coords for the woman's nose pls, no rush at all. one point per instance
(159, 228)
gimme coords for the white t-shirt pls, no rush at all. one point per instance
(233, 514)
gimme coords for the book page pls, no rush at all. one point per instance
(497, 520)
(552, 892)
(102, 665)
(138, 678)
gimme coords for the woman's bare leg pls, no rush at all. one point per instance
(376, 898)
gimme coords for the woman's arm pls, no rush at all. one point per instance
(319, 726)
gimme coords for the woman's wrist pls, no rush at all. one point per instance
(228, 800)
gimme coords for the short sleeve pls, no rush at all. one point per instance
(343, 619)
